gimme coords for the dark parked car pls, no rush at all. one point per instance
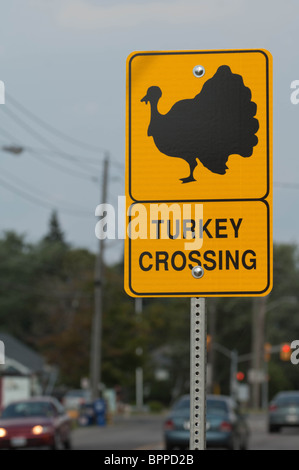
(283, 411)
(225, 426)
(36, 422)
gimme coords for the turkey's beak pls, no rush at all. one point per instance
(145, 99)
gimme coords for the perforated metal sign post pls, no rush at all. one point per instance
(2, 353)
(199, 186)
(198, 361)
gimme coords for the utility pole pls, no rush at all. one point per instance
(139, 370)
(258, 339)
(96, 340)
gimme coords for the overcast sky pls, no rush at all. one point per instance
(65, 62)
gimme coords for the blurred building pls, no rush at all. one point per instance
(23, 372)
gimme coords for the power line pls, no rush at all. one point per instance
(56, 165)
(53, 150)
(59, 133)
(39, 192)
(43, 153)
(89, 160)
(64, 169)
(51, 128)
(36, 200)
(39, 137)
(8, 135)
(68, 156)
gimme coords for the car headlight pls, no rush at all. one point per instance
(38, 429)
(3, 432)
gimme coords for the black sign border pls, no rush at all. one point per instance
(202, 293)
(250, 51)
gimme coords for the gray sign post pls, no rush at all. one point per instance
(198, 367)
(2, 353)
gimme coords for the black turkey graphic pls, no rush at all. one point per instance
(216, 123)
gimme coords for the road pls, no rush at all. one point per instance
(145, 433)
(287, 439)
(142, 432)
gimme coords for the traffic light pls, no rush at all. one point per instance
(267, 352)
(285, 352)
(240, 376)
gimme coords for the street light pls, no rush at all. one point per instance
(15, 149)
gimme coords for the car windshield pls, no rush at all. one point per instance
(77, 394)
(26, 409)
(182, 404)
(216, 407)
(288, 400)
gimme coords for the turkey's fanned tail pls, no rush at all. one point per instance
(226, 104)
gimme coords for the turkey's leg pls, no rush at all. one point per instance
(189, 178)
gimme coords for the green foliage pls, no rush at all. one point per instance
(55, 234)
(234, 323)
(18, 293)
(155, 406)
(279, 377)
(47, 301)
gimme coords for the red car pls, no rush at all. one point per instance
(36, 422)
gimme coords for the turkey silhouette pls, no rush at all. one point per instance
(216, 123)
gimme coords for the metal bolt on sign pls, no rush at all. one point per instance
(197, 272)
(198, 358)
(198, 71)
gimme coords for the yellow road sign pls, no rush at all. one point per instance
(199, 134)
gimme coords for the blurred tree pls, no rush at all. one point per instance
(55, 234)
(167, 345)
(67, 305)
(47, 301)
(52, 249)
(19, 296)
(123, 334)
(234, 321)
